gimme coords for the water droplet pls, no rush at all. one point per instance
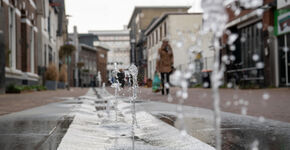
(232, 47)
(255, 57)
(237, 12)
(260, 65)
(205, 84)
(243, 39)
(225, 58)
(261, 119)
(270, 28)
(232, 57)
(183, 133)
(266, 96)
(260, 25)
(230, 85)
(232, 38)
(285, 49)
(167, 85)
(184, 95)
(179, 44)
(255, 145)
(244, 111)
(228, 103)
(260, 12)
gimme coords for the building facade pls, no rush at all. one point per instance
(53, 32)
(117, 41)
(255, 50)
(20, 41)
(183, 38)
(282, 33)
(88, 74)
(102, 59)
(85, 54)
(139, 22)
(2, 50)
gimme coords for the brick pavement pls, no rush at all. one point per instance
(276, 106)
(17, 102)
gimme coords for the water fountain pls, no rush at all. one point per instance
(133, 70)
(116, 85)
(99, 79)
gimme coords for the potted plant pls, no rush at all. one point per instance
(62, 77)
(51, 76)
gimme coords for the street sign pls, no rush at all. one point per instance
(282, 21)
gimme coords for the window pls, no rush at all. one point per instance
(156, 35)
(49, 24)
(161, 34)
(45, 55)
(153, 38)
(50, 59)
(165, 29)
(252, 45)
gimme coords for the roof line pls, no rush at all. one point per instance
(155, 7)
(88, 47)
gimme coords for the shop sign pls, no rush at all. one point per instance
(282, 21)
(283, 4)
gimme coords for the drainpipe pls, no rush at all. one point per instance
(2, 55)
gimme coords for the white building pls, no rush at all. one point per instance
(182, 31)
(117, 41)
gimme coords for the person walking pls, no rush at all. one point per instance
(121, 78)
(165, 64)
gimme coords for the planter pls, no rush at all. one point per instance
(51, 85)
(61, 85)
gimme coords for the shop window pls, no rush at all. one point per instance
(251, 45)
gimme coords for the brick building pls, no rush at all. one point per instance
(20, 40)
(88, 74)
(139, 22)
(255, 50)
(102, 59)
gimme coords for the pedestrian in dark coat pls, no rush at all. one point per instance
(165, 64)
(121, 77)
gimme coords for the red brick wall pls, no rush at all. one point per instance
(102, 63)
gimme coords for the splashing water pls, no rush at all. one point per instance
(116, 85)
(215, 19)
(133, 71)
(99, 78)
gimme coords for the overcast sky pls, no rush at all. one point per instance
(112, 14)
